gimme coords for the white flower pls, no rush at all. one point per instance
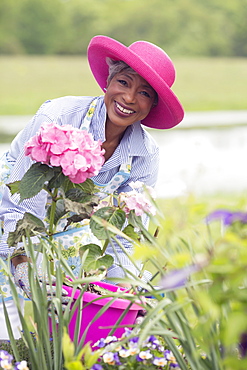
(136, 184)
(145, 355)
(110, 338)
(159, 361)
(108, 358)
(134, 350)
(124, 353)
(5, 364)
(22, 365)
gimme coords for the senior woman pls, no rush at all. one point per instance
(136, 81)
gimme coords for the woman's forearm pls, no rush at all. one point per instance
(19, 259)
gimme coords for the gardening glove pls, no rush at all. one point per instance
(21, 279)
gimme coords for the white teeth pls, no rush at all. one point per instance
(127, 111)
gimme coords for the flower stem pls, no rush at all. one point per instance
(52, 213)
(105, 246)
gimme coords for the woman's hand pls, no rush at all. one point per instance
(21, 279)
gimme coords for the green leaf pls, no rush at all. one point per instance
(234, 327)
(67, 184)
(74, 365)
(70, 362)
(58, 178)
(87, 186)
(80, 211)
(129, 230)
(112, 215)
(136, 221)
(59, 212)
(91, 357)
(95, 260)
(29, 225)
(34, 179)
(68, 347)
(14, 187)
(78, 195)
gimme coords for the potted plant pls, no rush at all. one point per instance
(65, 159)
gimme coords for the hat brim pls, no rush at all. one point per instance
(168, 112)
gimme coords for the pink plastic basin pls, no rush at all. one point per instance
(103, 325)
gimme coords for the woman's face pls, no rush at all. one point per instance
(128, 99)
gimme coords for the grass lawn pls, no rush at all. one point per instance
(202, 83)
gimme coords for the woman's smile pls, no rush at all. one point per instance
(123, 109)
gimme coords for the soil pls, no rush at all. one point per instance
(92, 289)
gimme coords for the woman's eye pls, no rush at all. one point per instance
(145, 93)
(122, 82)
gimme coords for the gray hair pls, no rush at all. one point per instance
(117, 66)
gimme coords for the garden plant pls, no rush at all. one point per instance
(200, 257)
(195, 305)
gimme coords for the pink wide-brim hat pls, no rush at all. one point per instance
(150, 62)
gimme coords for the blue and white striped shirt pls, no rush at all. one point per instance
(71, 110)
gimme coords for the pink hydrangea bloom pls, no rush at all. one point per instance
(75, 150)
(137, 202)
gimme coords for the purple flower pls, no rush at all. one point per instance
(5, 356)
(127, 332)
(159, 361)
(5, 359)
(170, 358)
(108, 358)
(134, 340)
(100, 343)
(227, 217)
(138, 358)
(97, 367)
(116, 359)
(168, 354)
(178, 278)
(152, 342)
(144, 355)
(111, 358)
(21, 366)
(152, 339)
(243, 345)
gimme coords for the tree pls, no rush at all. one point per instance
(39, 25)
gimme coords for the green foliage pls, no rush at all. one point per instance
(207, 314)
(182, 27)
(74, 362)
(23, 350)
(94, 260)
(28, 225)
(33, 180)
(70, 200)
(73, 202)
(112, 215)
